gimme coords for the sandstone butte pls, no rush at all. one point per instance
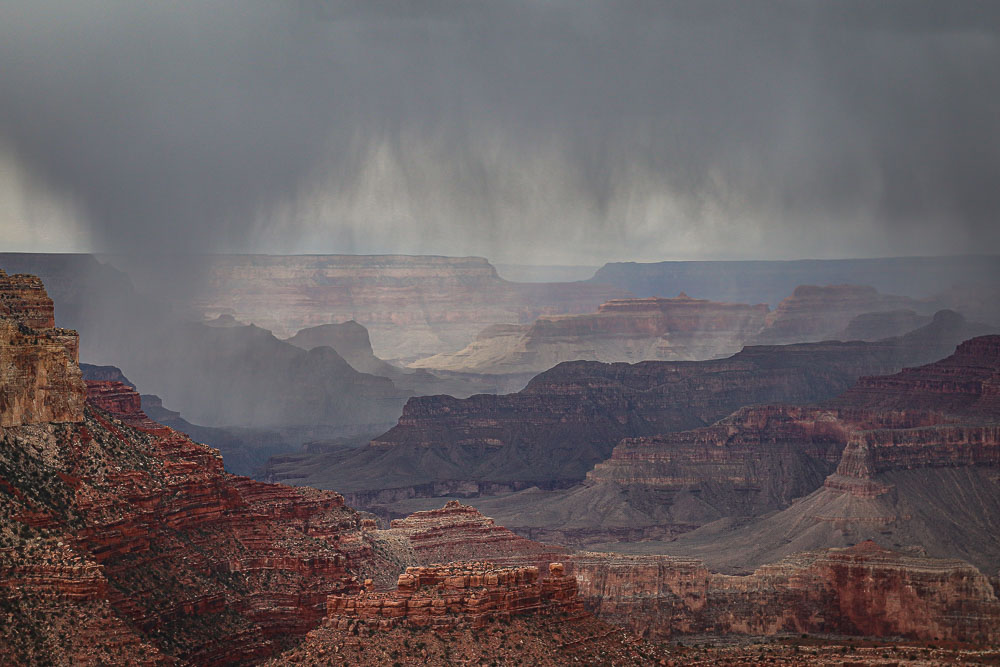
(122, 541)
(570, 418)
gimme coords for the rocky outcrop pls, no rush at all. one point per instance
(863, 590)
(570, 418)
(460, 595)
(628, 330)
(39, 377)
(178, 541)
(461, 532)
(822, 312)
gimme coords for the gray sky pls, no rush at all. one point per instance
(530, 132)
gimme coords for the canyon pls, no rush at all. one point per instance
(123, 540)
(550, 434)
(903, 459)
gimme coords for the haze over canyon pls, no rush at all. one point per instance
(511, 333)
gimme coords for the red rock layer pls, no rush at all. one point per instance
(466, 595)
(863, 590)
(460, 532)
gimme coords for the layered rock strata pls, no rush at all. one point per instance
(863, 590)
(918, 466)
(627, 330)
(123, 540)
(462, 595)
(461, 532)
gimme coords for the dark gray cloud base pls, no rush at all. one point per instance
(611, 130)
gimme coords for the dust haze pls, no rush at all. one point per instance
(528, 132)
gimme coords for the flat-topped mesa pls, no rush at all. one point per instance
(458, 531)
(39, 374)
(816, 312)
(863, 590)
(459, 595)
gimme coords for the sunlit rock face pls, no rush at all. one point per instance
(40, 380)
(628, 330)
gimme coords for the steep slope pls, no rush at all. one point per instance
(629, 330)
(569, 418)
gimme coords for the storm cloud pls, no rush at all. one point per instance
(559, 131)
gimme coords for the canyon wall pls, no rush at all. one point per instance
(460, 595)
(133, 525)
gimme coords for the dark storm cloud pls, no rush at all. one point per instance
(588, 130)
